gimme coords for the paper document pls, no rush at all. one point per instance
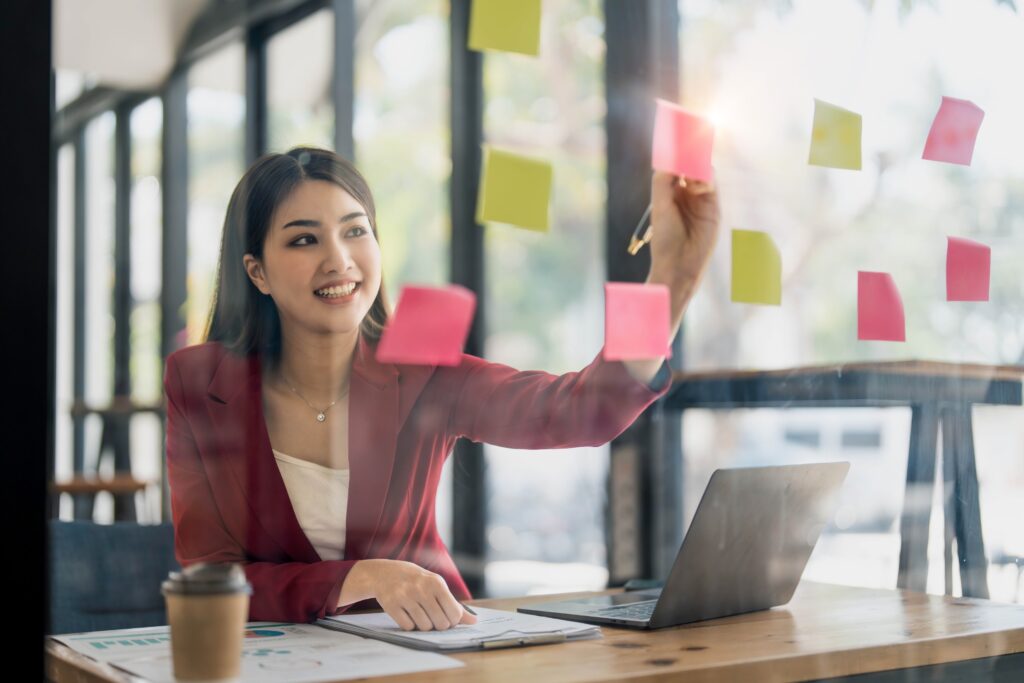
(494, 628)
(272, 652)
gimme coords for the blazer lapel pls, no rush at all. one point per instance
(377, 410)
(236, 408)
(374, 423)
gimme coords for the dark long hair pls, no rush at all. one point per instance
(242, 318)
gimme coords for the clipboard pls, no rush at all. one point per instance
(495, 629)
(534, 639)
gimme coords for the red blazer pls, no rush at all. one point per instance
(229, 503)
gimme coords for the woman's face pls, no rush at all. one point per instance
(321, 261)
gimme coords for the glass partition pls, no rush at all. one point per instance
(545, 301)
(216, 159)
(146, 281)
(299, 71)
(756, 69)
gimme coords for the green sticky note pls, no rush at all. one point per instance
(507, 25)
(514, 189)
(756, 268)
(835, 138)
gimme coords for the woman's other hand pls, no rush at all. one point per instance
(414, 597)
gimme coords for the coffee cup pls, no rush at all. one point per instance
(207, 606)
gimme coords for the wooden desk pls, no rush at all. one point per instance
(825, 631)
(940, 396)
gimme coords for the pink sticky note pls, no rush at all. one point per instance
(682, 143)
(968, 266)
(879, 308)
(636, 321)
(429, 326)
(953, 132)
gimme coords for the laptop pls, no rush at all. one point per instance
(748, 544)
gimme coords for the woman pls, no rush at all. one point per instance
(290, 449)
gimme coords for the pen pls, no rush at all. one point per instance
(640, 236)
(468, 609)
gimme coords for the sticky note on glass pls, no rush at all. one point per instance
(682, 143)
(968, 269)
(756, 268)
(429, 326)
(879, 308)
(636, 321)
(514, 189)
(953, 132)
(506, 25)
(835, 137)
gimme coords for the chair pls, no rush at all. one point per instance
(115, 440)
(108, 576)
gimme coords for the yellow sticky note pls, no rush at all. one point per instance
(507, 25)
(835, 138)
(756, 268)
(514, 189)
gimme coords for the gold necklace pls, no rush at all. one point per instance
(321, 415)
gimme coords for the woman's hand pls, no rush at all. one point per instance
(414, 597)
(684, 220)
(684, 217)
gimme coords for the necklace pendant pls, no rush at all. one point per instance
(320, 417)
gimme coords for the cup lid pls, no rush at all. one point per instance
(204, 578)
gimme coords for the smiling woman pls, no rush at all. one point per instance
(329, 507)
(264, 243)
(337, 260)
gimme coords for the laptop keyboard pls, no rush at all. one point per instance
(641, 610)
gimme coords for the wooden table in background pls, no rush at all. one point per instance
(940, 396)
(825, 632)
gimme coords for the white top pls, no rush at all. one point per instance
(319, 496)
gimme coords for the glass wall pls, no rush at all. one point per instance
(146, 276)
(545, 301)
(757, 69)
(99, 291)
(401, 135)
(299, 71)
(216, 160)
(402, 146)
(65, 263)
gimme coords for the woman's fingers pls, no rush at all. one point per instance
(450, 607)
(438, 619)
(419, 616)
(419, 599)
(699, 186)
(662, 187)
(400, 616)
